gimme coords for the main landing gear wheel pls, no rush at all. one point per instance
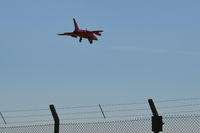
(90, 41)
(80, 39)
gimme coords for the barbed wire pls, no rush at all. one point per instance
(77, 107)
(139, 117)
(24, 110)
(82, 118)
(107, 111)
(124, 104)
(176, 100)
(179, 106)
(97, 118)
(179, 112)
(26, 116)
(91, 106)
(41, 121)
(91, 112)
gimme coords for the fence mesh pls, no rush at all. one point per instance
(173, 124)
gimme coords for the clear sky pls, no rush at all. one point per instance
(149, 49)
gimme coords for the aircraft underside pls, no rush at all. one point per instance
(90, 40)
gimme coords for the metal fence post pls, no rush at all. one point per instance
(156, 119)
(55, 117)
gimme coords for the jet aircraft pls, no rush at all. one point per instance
(90, 35)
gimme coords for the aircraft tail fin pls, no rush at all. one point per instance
(75, 24)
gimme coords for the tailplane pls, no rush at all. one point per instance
(75, 24)
(97, 32)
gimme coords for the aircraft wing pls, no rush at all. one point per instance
(97, 32)
(68, 34)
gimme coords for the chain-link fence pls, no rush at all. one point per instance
(173, 124)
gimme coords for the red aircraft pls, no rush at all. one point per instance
(82, 33)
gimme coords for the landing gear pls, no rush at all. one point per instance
(90, 40)
(80, 39)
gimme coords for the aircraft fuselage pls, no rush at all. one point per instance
(85, 34)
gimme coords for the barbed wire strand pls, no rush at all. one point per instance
(116, 116)
(90, 106)
(107, 111)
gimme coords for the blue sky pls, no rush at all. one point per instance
(149, 49)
